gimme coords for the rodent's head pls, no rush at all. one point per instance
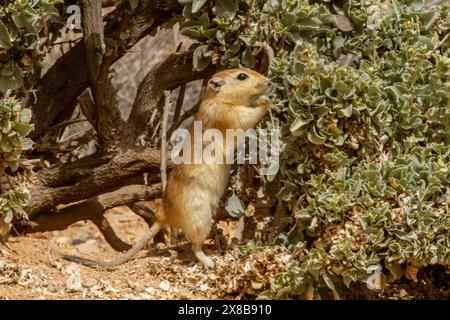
(236, 98)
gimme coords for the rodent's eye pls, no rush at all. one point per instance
(242, 76)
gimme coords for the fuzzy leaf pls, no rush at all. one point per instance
(234, 206)
(197, 5)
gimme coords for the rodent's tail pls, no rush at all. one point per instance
(156, 227)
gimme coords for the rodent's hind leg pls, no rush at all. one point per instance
(201, 256)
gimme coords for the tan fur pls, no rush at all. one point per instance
(194, 191)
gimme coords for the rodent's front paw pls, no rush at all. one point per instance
(263, 100)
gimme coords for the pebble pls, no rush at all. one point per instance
(89, 282)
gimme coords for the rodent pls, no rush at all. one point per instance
(233, 99)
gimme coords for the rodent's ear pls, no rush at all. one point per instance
(216, 84)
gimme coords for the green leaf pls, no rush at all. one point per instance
(226, 7)
(197, 5)
(247, 58)
(13, 81)
(311, 24)
(50, 9)
(417, 4)
(204, 20)
(301, 121)
(343, 23)
(134, 4)
(14, 166)
(5, 39)
(27, 144)
(22, 128)
(5, 145)
(220, 36)
(14, 139)
(394, 92)
(426, 41)
(249, 40)
(199, 60)
(6, 126)
(191, 32)
(429, 18)
(19, 20)
(346, 112)
(25, 116)
(331, 286)
(303, 215)
(234, 206)
(314, 137)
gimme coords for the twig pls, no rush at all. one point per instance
(167, 105)
(179, 120)
(184, 117)
(180, 101)
(164, 139)
(438, 45)
(64, 42)
(109, 234)
(93, 209)
(66, 123)
(87, 107)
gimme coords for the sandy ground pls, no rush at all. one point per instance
(31, 267)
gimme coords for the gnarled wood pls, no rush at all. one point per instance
(93, 209)
(66, 183)
(57, 91)
(167, 75)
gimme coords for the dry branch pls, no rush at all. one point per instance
(109, 234)
(87, 107)
(183, 118)
(93, 209)
(163, 167)
(106, 115)
(58, 89)
(180, 101)
(166, 75)
(93, 36)
(93, 175)
(141, 209)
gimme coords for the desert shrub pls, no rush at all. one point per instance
(364, 110)
(22, 23)
(14, 122)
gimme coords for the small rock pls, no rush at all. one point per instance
(73, 282)
(164, 285)
(132, 284)
(193, 269)
(151, 290)
(89, 282)
(160, 246)
(203, 287)
(257, 285)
